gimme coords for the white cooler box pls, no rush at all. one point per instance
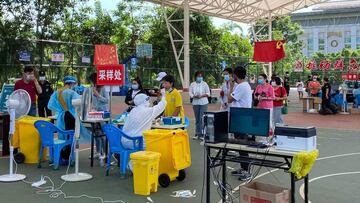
(295, 138)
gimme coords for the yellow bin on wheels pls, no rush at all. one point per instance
(173, 145)
(146, 171)
(27, 139)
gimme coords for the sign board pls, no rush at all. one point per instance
(298, 66)
(344, 77)
(144, 50)
(133, 63)
(7, 89)
(24, 56)
(112, 75)
(353, 76)
(105, 54)
(85, 59)
(57, 57)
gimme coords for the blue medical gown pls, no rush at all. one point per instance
(54, 105)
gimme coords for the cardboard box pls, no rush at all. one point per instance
(256, 192)
(354, 111)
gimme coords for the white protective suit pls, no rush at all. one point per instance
(141, 117)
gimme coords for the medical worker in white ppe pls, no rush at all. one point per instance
(141, 117)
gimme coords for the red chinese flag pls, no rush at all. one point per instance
(112, 75)
(269, 51)
(105, 55)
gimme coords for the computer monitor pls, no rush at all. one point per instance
(250, 121)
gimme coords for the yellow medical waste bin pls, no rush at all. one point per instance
(173, 145)
(27, 139)
(146, 171)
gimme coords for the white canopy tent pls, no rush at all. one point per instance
(245, 11)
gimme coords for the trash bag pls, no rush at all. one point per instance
(303, 162)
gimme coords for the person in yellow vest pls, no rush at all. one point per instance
(174, 106)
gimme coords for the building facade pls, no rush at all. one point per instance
(330, 27)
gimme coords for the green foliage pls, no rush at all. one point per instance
(24, 22)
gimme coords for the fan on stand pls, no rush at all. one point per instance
(77, 176)
(18, 104)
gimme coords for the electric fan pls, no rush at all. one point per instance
(18, 104)
(77, 176)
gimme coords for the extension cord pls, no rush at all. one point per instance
(39, 183)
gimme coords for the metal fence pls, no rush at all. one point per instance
(41, 51)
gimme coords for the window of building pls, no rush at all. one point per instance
(310, 45)
(347, 39)
(358, 39)
(321, 41)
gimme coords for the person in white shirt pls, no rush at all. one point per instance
(241, 96)
(141, 117)
(300, 88)
(225, 89)
(199, 92)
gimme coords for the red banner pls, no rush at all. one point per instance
(105, 55)
(311, 65)
(112, 75)
(339, 64)
(269, 51)
(353, 76)
(324, 65)
(344, 77)
(353, 65)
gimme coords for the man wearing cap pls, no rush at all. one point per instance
(44, 97)
(31, 86)
(60, 102)
(141, 117)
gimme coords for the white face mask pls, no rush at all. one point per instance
(273, 83)
(42, 78)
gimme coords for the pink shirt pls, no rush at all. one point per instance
(269, 91)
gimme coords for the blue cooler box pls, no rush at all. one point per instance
(172, 120)
(295, 138)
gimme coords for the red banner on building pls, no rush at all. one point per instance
(269, 51)
(353, 65)
(339, 64)
(324, 65)
(112, 75)
(311, 65)
(105, 55)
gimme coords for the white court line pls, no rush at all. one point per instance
(301, 190)
(274, 170)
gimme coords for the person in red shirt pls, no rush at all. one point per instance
(280, 97)
(31, 86)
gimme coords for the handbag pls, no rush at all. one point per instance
(284, 109)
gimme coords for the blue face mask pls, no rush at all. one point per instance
(199, 79)
(134, 86)
(226, 77)
(260, 81)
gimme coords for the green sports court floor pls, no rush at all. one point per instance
(335, 176)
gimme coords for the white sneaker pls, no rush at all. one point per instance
(96, 155)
